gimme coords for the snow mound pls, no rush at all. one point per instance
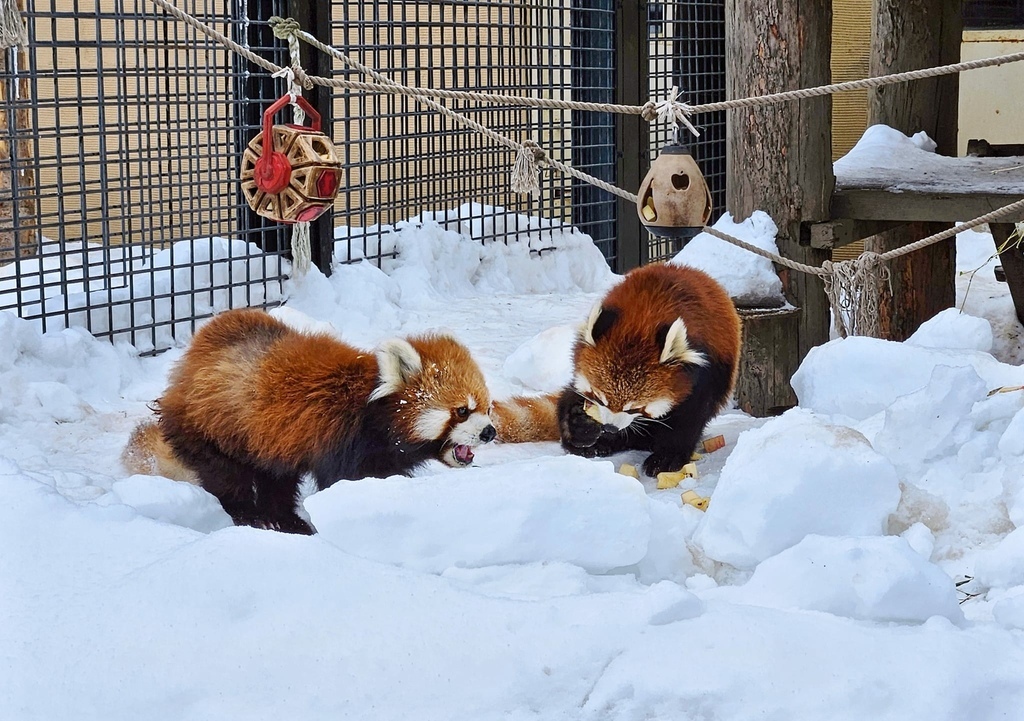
(552, 509)
(795, 475)
(479, 248)
(543, 363)
(1003, 565)
(919, 426)
(182, 504)
(189, 278)
(858, 377)
(749, 279)
(61, 376)
(873, 579)
(953, 329)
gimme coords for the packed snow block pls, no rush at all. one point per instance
(955, 330)
(551, 509)
(1003, 565)
(182, 504)
(919, 426)
(879, 578)
(543, 363)
(796, 475)
(858, 377)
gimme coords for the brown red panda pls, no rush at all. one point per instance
(654, 362)
(254, 405)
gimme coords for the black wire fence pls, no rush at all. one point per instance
(121, 133)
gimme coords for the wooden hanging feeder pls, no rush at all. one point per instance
(674, 201)
(297, 177)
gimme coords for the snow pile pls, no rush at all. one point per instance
(873, 578)
(979, 294)
(794, 476)
(884, 158)
(61, 376)
(544, 363)
(479, 248)
(190, 277)
(558, 509)
(749, 279)
(956, 330)
(533, 584)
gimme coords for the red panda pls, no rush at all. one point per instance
(654, 362)
(254, 405)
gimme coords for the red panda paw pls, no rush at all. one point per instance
(663, 463)
(580, 431)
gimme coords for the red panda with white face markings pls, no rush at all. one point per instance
(654, 362)
(254, 405)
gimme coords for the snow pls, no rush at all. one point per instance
(884, 158)
(769, 497)
(563, 509)
(821, 583)
(750, 279)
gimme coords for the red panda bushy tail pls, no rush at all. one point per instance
(527, 419)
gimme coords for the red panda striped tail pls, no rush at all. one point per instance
(527, 419)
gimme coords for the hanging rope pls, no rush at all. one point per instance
(302, 255)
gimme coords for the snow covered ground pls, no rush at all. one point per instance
(821, 583)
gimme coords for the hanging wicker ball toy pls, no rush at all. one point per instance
(296, 177)
(674, 200)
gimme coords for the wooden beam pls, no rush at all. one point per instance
(779, 157)
(837, 233)
(919, 206)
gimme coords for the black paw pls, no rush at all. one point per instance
(660, 463)
(580, 431)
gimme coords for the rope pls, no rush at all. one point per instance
(302, 256)
(13, 33)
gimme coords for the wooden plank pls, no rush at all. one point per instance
(779, 157)
(1012, 260)
(918, 206)
(837, 233)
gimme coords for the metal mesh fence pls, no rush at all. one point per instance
(687, 50)
(121, 132)
(119, 168)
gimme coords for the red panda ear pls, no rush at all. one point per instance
(600, 322)
(397, 363)
(675, 345)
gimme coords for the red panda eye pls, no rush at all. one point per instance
(462, 412)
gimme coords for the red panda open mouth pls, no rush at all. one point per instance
(463, 454)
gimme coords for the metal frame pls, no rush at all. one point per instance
(124, 130)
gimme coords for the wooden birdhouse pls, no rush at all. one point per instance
(674, 201)
(295, 177)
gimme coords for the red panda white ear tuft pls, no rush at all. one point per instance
(677, 347)
(397, 363)
(587, 330)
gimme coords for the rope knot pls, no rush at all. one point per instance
(300, 77)
(672, 110)
(284, 28)
(854, 290)
(530, 158)
(649, 111)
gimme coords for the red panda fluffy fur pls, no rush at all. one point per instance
(655, 361)
(254, 405)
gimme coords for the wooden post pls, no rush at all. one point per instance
(908, 35)
(18, 222)
(779, 157)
